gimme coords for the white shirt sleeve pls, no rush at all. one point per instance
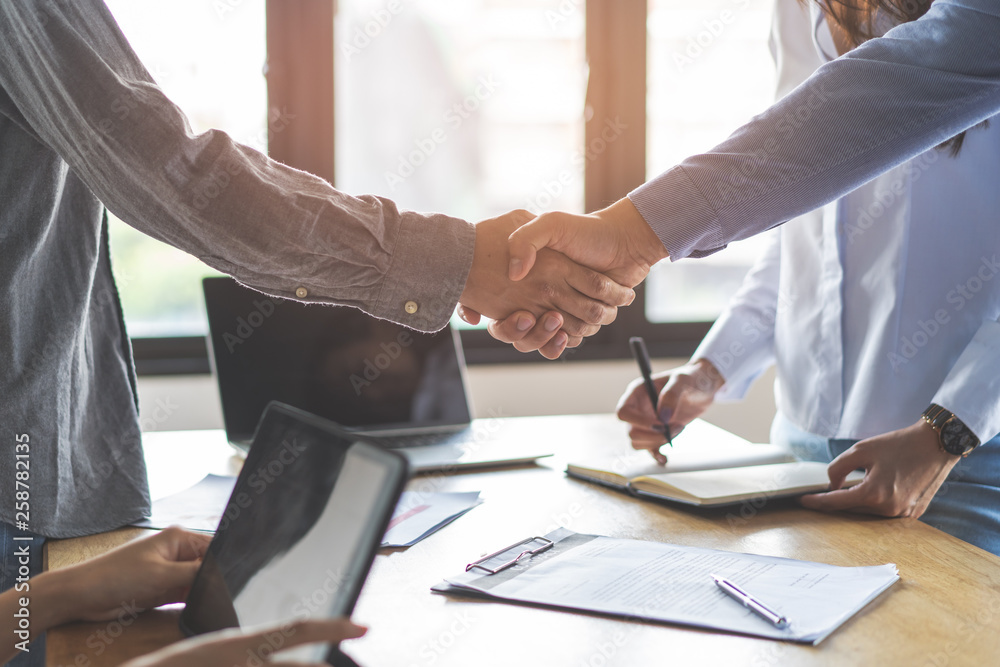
(741, 342)
(972, 388)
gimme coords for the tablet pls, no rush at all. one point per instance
(300, 530)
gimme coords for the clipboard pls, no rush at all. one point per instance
(666, 583)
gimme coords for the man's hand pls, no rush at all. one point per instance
(526, 332)
(584, 298)
(904, 469)
(616, 241)
(685, 393)
(234, 647)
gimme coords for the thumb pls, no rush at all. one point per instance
(525, 243)
(667, 408)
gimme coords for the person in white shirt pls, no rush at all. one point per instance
(874, 307)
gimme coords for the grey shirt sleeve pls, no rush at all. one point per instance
(70, 79)
(877, 106)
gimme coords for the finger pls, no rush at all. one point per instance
(554, 348)
(578, 306)
(842, 466)
(521, 325)
(323, 630)
(525, 243)
(652, 444)
(598, 286)
(542, 333)
(469, 315)
(634, 406)
(646, 437)
(576, 327)
(178, 544)
(853, 498)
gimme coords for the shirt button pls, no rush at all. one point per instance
(411, 307)
(301, 292)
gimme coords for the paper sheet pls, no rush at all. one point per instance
(197, 508)
(416, 516)
(665, 582)
(420, 514)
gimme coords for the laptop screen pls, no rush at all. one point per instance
(335, 362)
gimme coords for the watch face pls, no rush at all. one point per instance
(957, 438)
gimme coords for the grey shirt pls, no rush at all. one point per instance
(83, 126)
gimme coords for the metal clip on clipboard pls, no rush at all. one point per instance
(545, 546)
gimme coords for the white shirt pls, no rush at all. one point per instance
(885, 300)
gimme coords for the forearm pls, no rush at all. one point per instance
(73, 81)
(33, 607)
(868, 111)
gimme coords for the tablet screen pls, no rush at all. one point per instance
(300, 529)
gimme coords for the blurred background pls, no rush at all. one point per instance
(471, 108)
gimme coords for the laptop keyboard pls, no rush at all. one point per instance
(424, 439)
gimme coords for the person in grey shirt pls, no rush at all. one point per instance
(84, 126)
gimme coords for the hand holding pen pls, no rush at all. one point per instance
(658, 407)
(641, 355)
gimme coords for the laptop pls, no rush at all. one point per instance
(375, 377)
(299, 533)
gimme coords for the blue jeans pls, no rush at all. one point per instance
(11, 550)
(968, 503)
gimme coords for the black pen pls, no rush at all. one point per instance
(641, 355)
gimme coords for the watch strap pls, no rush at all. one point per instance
(954, 436)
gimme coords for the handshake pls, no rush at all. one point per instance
(549, 281)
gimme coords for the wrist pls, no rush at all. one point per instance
(645, 244)
(55, 600)
(933, 448)
(487, 274)
(711, 380)
(953, 436)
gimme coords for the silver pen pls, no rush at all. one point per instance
(749, 601)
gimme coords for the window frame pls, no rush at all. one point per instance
(300, 83)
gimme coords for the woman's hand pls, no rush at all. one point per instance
(904, 469)
(145, 573)
(140, 575)
(234, 647)
(685, 393)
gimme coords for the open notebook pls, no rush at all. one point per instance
(709, 466)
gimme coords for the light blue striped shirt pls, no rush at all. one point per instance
(882, 302)
(880, 105)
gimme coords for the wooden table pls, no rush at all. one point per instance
(944, 611)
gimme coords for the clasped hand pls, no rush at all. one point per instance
(550, 281)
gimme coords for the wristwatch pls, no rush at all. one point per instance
(954, 436)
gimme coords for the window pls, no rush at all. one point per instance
(469, 107)
(208, 57)
(709, 72)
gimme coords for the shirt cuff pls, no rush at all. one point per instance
(739, 353)
(972, 388)
(679, 214)
(431, 260)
